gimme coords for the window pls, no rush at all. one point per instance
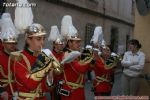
(114, 39)
(89, 30)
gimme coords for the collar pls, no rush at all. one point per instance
(6, 52)
(57, 52)
(137, 53)
(68, 50)
(29, 51)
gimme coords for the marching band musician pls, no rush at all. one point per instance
(73, 75)
(103, 84)
(58, 45)
(9, 42)
(32, 84)
(31, 67)
(103, 71)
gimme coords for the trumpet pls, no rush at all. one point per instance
(56, 66)
(116, 56)
(45, 62)
(87, 56)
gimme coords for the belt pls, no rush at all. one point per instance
(30, 95)
(102, 79)
(74, 85)
(5, 80)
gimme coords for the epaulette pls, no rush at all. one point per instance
(16, 55)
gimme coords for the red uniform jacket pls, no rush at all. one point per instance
(102, 86)
(4, 72)
(59, 57)
(24, 83)
(74, 73)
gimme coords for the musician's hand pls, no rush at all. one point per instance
(134, 63)
(50, 78)
(93, 62)
(4, 95)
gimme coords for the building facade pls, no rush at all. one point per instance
(141, 32)
(115, 16)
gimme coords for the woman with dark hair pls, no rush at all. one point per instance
(133, 63)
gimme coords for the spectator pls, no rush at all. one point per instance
(133, 63)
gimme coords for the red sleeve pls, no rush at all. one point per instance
(44, 85)
(100, 64)
(81, 68)
(21, 75)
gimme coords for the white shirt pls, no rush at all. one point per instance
(133, 63)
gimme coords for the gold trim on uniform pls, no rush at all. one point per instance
(10, 40)
(30, 95)
(88, 59)
(38, 76)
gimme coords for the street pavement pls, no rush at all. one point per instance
(116, 89)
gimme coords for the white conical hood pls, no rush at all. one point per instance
(67, 28)
(72, 31)
(65, 24)
(8, 30)
(97, 36)
(54, 34)
(23, 16)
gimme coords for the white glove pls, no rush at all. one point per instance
(71, 56)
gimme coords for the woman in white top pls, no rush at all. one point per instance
(133, 63)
